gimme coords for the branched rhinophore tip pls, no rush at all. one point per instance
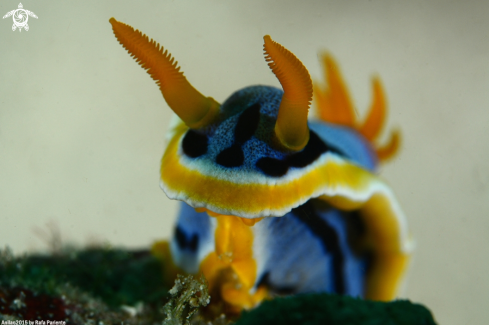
(190, 105)
(291, 126)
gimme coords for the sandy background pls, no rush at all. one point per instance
(82, 126)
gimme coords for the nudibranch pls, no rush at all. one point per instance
(274, 203)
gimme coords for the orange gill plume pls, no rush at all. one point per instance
(190, 105)
(334, 106)
(291, 127)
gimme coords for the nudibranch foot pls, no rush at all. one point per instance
(315, 247)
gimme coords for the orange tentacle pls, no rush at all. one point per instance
(390, 149)
(335, 106)
(375, 120)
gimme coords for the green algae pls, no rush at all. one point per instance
(96, 286)
(115, 286)
(316, 309)
(116, 276)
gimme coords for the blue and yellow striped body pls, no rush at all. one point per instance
(313, 248)
(310, 249)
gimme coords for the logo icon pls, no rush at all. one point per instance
(20, 17)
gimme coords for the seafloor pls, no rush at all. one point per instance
(102, 286)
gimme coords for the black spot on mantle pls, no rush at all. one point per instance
(279, 167)
(247, 124)
(245, 128)
(194, 144)
(231, 157)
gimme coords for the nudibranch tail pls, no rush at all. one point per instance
(334, 106)
(291, 126)
(191, 106)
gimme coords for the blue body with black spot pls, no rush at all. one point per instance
(242, 140)
(307, 250)
(315, 247)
